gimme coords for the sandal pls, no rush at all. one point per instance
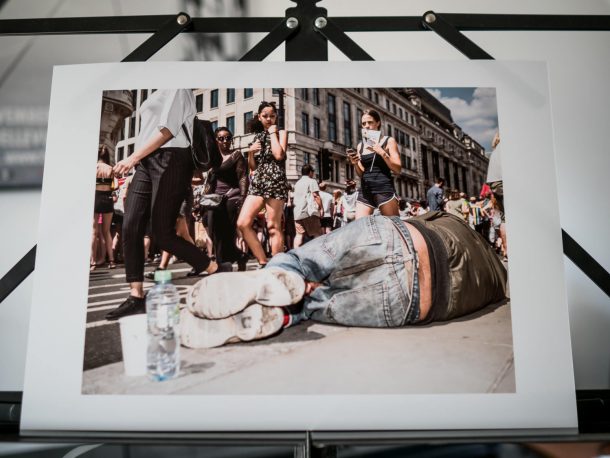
(111, 265)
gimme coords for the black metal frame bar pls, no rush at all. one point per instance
(310, 42)
(151, 24)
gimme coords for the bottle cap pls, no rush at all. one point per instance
(163, 275)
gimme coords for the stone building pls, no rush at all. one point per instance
(322, 123)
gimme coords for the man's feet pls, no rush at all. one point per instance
(132, 306)
(253, 323)
(220, 296)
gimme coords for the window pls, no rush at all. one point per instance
(400, 113)
(316, 96)
(403, 161)
(214, 125)
(456, 176)
(424, 158)
(464, 180)
(316, 128)
(407, 141)
(305, 123)
(248, 92)
(332, 119)
(305, 94)
(387, 104)
(130, 149)
(413, 145)
(389, 129)
(231, 124)
(214, 98)
(275, 91)
(120, 151)
(230, 95)
(144, 95)
(394, 108)
(358, 120)
(349, 171)
(132, 126)
(347, 125)
(247, 117)
(376, 97)
(337, 171)
(199, 103)
(447, 174)
(369, 94)
(306, 158)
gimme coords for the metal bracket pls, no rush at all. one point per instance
(576, 253)
(329, 29)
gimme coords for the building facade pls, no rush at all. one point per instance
(322, 123)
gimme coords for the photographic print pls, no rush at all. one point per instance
(404, 250)
(304, 234)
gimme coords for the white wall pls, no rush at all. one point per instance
(579, 72)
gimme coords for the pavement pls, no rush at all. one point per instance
(473, 354)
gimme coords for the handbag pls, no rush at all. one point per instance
(209, 200)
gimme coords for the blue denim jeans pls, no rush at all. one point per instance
(368, 271)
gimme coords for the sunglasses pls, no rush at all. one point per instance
(227, 138)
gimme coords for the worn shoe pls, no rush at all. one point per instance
(151, 274)
(132, 306)
(222, 295)
(253, 323)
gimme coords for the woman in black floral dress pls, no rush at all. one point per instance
(269, 187)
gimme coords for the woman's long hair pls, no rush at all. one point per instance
(103, 154)
(254, 125)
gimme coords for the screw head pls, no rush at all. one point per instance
(430, 18)
(292, 23)
(320, 22)
(182, 19)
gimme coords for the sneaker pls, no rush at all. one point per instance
(151, 274)
(217, 296)
(223, 267)
(132, 306)
(253, 323)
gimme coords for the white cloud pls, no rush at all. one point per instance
(477, 118)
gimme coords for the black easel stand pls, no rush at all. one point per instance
(306, 29)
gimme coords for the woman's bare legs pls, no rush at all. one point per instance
(275, 211)
(363, 210)
(390, 208)
(105, 233)
(249, 210)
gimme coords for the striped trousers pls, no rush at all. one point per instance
(157, 190)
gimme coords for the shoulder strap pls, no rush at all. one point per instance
(186, 132)
(384, 141)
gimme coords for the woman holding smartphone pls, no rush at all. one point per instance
(374, 165)
(269, 186)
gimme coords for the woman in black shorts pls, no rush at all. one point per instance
(104, 206)
(374, 165)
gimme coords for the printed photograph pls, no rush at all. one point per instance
(302, 241)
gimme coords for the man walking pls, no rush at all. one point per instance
(307, 206)
(435, 195)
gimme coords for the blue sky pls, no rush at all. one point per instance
(473, 109)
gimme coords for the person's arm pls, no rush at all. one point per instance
(355, 161)
(159, 139)
(390, 154)
(242, 177)
(103, 170)
(279, 142)
(255, 147)
(318, 199)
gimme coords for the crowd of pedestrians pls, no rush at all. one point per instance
(154, 207)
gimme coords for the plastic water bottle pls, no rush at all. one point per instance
(163, 355)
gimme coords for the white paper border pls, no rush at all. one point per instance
(545, 396)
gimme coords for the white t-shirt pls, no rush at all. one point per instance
(302, 189)
(169, 108)
(327, 200)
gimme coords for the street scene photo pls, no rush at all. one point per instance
(299, 241)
